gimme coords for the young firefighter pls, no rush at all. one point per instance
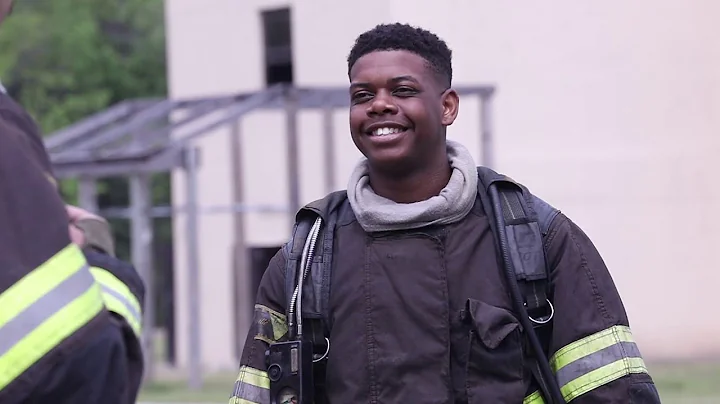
(419, 307)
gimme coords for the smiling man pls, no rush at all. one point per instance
(407, 282)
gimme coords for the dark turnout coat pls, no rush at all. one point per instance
(425, 316)
(61, 340)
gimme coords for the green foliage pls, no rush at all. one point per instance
(63, 60)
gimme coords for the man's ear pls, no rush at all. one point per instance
(451, 106)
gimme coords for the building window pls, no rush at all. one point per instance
(278, 46)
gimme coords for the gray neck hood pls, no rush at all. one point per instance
(375, 213)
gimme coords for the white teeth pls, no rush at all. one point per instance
(386, 131)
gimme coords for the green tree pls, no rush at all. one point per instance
(63, 60)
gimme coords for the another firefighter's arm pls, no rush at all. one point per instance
(21, 129)
(93, 230)
(268, 326)
(26, 131)
(593, 352)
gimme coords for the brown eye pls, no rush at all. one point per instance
(361, 96)
(405, 91)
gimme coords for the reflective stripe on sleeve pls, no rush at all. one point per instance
(534, 398)
(118, 298)
(596, 360)
(252, 387)
(43, 308)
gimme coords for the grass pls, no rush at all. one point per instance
(216, 389)
(688, 383)
(684, 383)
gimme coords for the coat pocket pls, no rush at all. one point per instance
(495, 356)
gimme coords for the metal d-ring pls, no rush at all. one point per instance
(325, 354)
(547, 320)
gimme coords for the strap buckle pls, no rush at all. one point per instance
(545, 319)
(327, 350)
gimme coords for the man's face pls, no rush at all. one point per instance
(5, 9)
(399, 109)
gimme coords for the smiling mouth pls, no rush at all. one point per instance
(384, 131)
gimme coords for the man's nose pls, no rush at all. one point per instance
(382, 104)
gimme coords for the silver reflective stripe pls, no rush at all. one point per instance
(45, 307)
(597, 360)
(255, 394)
(129, 306)
(3, 89)
(252, 386)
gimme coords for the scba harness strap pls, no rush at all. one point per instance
(521, 223)
(519, 220)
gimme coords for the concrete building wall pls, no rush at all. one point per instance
(605, 109)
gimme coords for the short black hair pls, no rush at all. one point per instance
(397, 36)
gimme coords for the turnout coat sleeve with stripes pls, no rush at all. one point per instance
(34, 228)
(592, 350)
(33, 221)
(268, 326)
(123, 293)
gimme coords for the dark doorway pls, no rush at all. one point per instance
(277, 41)
(258, 259)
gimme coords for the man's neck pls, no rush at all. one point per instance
(418, 186)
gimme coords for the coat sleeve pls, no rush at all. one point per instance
(592, 349)
(33, 221)
(269, 325)
(123, 292)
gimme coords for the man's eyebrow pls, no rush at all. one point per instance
(359, 85)
(393, 80)
(404, 78)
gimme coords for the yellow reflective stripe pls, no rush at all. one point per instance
(590, 345)
(39, 281)
(252, 387)
(107, 279)
(255, 377)
(115, 305)
(602, 376)
(118, 298)
(596, 360)
(534, 398)
(235, 400)
(43, 308)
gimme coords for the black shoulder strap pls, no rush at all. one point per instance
(527, 220)
(316, 294)
(520, 222)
